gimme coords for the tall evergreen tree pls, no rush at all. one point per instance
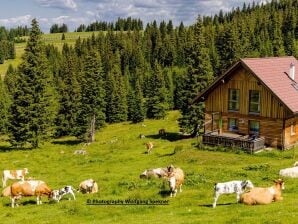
(92, 110)
(3, 107)
(32, 108)
(199, 74)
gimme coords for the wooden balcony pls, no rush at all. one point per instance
(246, 142)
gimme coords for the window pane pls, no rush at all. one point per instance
(233, 124)
(254, 127)
(254, 101)
(233, 99)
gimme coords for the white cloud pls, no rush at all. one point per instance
(62, 4)
(16, 21)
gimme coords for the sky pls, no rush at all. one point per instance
(15, 13)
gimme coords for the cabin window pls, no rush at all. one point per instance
(234, 99)
(233, 124)
(254, 101)
(254, 128)
(293, 128)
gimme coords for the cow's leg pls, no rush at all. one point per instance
(4, 182)
(181, 188)
(216, 195)
(12, 201)
(238, 197)
(73, 195)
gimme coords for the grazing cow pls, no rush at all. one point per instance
(161, 132)
(13, 175)
(149, 147)
(88, 186)
(176, 179)
(290, 172)
(29, 188)
(6, 192)
(58, 194)
(157, 172)
(235, 186)
(263, 196)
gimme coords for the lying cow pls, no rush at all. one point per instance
(290, 172)
(176, 179)
(236, 186)
(58, 194)
(88, 186)
(13, 175)
(263, 196)
(157, 172)
(29, 188)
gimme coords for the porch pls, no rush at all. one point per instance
(249, 143)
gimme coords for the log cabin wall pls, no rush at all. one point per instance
(291, 132)
(272, 112)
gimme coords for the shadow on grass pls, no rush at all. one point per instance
(66, 142)
(210, 205)
(170, 136)
(164, 193)
(10, 148)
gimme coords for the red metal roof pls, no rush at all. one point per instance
(274, 72)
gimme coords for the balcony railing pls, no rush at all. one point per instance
(250, 144)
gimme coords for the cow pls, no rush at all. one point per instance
(88, 186)
(13, 175)
(142, 136)
(6, 192)
(235, 186)
(175, 179)
(58, 194)
(263, 196)
(29, 188)
(157, 172)
(161, 132)
(149, 147)
(289, 172)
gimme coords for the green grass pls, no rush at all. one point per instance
(53, 38)
(116, 160)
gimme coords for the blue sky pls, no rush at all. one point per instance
(76, 12)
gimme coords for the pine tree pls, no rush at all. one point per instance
(32, 107)
(69, 93)
(199, 75)
(92, 110)
(157, 104)
(4, 102)
(116, 93)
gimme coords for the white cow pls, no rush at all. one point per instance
(58, 194)
(290, 172)
(235, 186)
(157, 172)
(13, 175)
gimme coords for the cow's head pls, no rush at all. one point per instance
(247, 184)
(281, 183)
(172, 183)
(144, 175)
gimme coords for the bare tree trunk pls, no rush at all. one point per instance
(92, 129)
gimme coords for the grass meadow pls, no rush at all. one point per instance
(116, 160)
(53, 38)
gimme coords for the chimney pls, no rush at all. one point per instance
(292, 71)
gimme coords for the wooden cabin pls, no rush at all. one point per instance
(254, 103)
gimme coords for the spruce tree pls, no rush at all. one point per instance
(32, 107)
(199, 75)
(92, 109)
(4, 100)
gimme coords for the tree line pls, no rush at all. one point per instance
(129, 75)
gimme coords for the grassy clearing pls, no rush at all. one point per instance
(53, 38)
(116, 160)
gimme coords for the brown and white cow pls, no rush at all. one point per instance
(149, 147)
(88, 186)
(157, 173)
(176, 179)
(29, 188)
(6, 192)
(263, 196)
(13, 175)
